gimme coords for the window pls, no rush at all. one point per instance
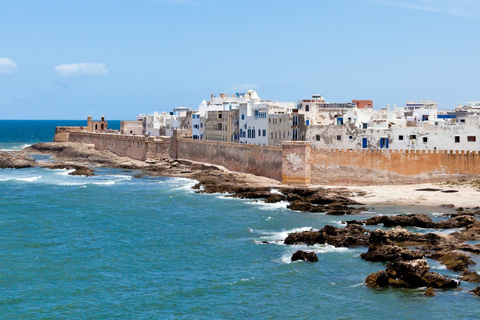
(317, 137)
(413, 137)
(259, 133)
(294, 134)
(457, 139)
(365, 125)
(307, 108)
(350, 137)
(243, 117)
(308, 122)
(471, 138)
(400, 138)
(425, 139)
(436, 123)
(219, 116)
(295, 120)
(264, 132)
(271, 135)
(462, 120)
(339, 137)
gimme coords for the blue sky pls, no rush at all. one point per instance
(69, 59)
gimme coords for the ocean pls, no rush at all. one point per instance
(118, 246)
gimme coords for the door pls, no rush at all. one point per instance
(364, 143)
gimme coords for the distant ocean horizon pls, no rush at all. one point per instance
(126, 245)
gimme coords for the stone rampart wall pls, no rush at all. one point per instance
(297, 162)
(135, 147)
(338, 166)
(260, 160)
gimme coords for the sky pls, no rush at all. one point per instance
(119, 58)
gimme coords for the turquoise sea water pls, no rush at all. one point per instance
(116, 246)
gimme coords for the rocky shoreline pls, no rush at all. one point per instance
(404, 252)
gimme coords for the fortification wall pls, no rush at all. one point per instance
(62, 134)
(259, 160)
(135, 147)
(337, 166)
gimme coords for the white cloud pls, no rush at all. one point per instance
(81, 70)
(461, 8)
(7, 65)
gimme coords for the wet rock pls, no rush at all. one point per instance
(395, 235)
(78, 170)
(405, 220)
(453, 260)
(299, 205)
(305, 256)
(435, 280)
(407, 274)
(471, 232)
(350, 236)
(471, 248)
(430, 292)
(275, 198)
(476, 291)
(472, 277)
(456, 222)
(12, 161)
(389, 253)
(377, 280)
(414, 274)
(451, 205)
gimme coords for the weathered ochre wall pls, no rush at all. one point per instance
(62, 134)
(260, 160)
(296, 162)
(377, 167)
(139, 148)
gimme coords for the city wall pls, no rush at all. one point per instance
(360, 166)
(259, 160)
(135, 147)
(296, 162)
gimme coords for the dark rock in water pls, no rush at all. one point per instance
(471, 248)
(405, 220)
(407, 274)
(350, 236)
(377, 280)
(414, 274)
(275, 198)
(430, 292)
(389, 253)
(79, 170)
(304, 256)
(421, 220)
(12, 161)
(435, 280)
(472, 277)
(410, 274)
(459, 209)
(453, 260)
(450, 205)
(395, 235)
(456, 222)
(476, 291)
(299, 205)
(471, 232)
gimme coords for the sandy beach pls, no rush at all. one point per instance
(466, 196)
